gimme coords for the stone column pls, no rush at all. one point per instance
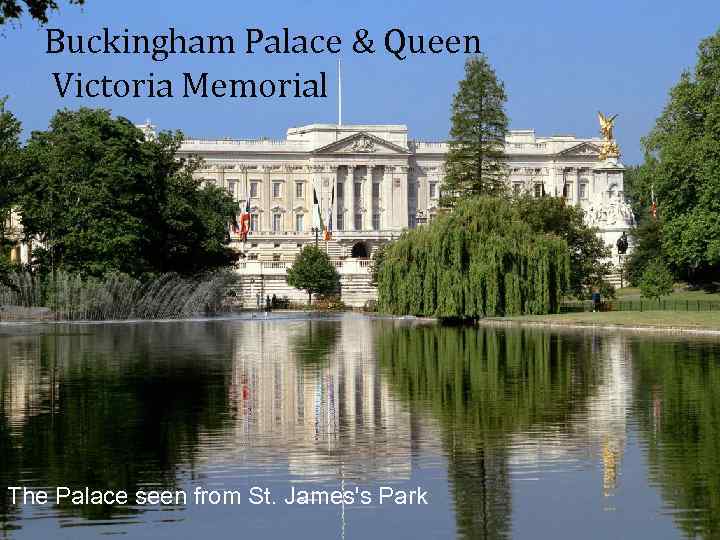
(350, 198)
(401, 201)
(386, 190)
(367, 198)
(423, 194)
(265, 200)
(575, 182)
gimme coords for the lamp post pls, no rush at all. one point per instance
(316, 230)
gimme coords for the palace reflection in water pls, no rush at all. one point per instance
(619, 428)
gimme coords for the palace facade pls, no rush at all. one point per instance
(376, 182)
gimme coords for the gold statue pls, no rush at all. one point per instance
(609, 148)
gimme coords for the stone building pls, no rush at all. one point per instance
(376, 182)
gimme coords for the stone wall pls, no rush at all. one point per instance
(268, 278)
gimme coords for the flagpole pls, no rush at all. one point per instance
(339, 94)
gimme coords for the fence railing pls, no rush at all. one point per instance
(642, 304)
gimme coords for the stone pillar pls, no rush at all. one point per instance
(367, 198)
(386, 190)
(400, 196)
(265, 200)
(423, 194)
(350, 198)
(575, 182)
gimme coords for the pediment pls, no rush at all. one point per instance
(361, 143)
(584, 149)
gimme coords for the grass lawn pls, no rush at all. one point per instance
(709, 320)
(680, 294)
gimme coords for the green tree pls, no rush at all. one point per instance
(647, 245)
(313, 272)
(589, 262)
(475, 163)
(656, 280)
(479, 260)
(10, 171)
(378, 257)
(102, 198)
(683, 164)
(38, 9)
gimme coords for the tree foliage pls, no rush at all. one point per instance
(10, 161)
(683, 165)
(589, 262)
(313, 272)
(475, 163)
(480, 260)
(10, 170)
(102, 198)
(37, 9)
(656, 280)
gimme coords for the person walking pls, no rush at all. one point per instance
(595, 297)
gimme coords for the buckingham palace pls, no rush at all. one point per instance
(376, 182)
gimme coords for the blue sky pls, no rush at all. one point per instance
(561, 62)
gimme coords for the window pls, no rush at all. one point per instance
(276, 245)
(433, 190)
(375, 190)
(376, 222)
(253, 257)
(254, 223)
(276, 190)
(232, 184)
(254, 189)
(276, 223)
(412, 219)
(358, 191)
(276, 257)
(538, 190)
(340, 191)
(253, 245)
(299, 222)
(517, 188)
(339, 222)
(358, 222)
(567, 190)
(583, 191)
(299, 190)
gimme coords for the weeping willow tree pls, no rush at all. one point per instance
(480, 260)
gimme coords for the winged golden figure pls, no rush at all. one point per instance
(606, 125)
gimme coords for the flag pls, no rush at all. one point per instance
(329, 213)
(234, 227)
(317, 221)
(245, 217)
(653, 204)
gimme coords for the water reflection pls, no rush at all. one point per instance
(108, 407)
(482, 415)
(677, 402)
(485, 388)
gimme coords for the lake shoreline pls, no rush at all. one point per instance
(606, 327)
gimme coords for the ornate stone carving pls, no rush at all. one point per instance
(362, 145)
(612, 213)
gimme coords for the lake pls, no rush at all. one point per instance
(346, 426)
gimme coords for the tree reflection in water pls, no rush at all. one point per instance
(483, 386)
(677, 400)
(117, 408)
